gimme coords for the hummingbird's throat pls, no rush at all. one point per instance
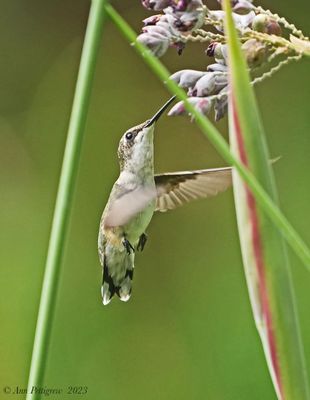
(142, 161)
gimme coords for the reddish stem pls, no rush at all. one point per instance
(258, 254)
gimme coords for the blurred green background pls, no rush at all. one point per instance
(187, 332)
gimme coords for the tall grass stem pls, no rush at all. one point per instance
(266, 263)
(59, 230)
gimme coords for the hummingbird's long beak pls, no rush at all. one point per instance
(159, 113)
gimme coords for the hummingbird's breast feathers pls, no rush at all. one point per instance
(113, 235)
(126, 202)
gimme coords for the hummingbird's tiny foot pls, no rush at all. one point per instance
(128, 246)
(142, 242)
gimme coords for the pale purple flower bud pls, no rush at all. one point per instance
(156, 5)
(166, 19)
(186, 5)
(152, 20)
(159, 20)
(157, 44)
(221, 105)
(241, 21)
(219, 51)
(187, 78)
(210, 83)
(156, 30)
(167, 22)
(202, 104)
(217, 68)
(194, 5)
(189, 19)
(161, 27)
(181, 5)
(221, 54)
(217, 14)
(242, 7)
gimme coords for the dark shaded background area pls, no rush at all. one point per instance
(187, 332)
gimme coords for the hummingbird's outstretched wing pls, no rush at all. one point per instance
(177, 188)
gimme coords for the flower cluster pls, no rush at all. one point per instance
(182, 21)
(164, 30)
(206, 89)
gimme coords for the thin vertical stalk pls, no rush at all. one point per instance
(64, 199)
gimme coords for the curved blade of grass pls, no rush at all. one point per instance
(64, 198)
(261, 196)
(265, 258)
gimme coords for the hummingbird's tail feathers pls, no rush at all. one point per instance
(121, 284)
(124, 290)
(108, 288)
(106, 294)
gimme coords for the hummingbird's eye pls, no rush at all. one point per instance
(129, 135)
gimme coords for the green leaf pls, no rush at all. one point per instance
(263, 249)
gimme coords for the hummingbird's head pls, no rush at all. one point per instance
(135, 150)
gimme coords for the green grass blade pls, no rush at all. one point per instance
(265, 258)
(268, 205)
(65, 196)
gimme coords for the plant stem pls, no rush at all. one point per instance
(64, 199)
(264, 253)
(268, 206)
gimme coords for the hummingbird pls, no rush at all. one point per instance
(135, 196)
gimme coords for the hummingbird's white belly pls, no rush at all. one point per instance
(138, 224)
